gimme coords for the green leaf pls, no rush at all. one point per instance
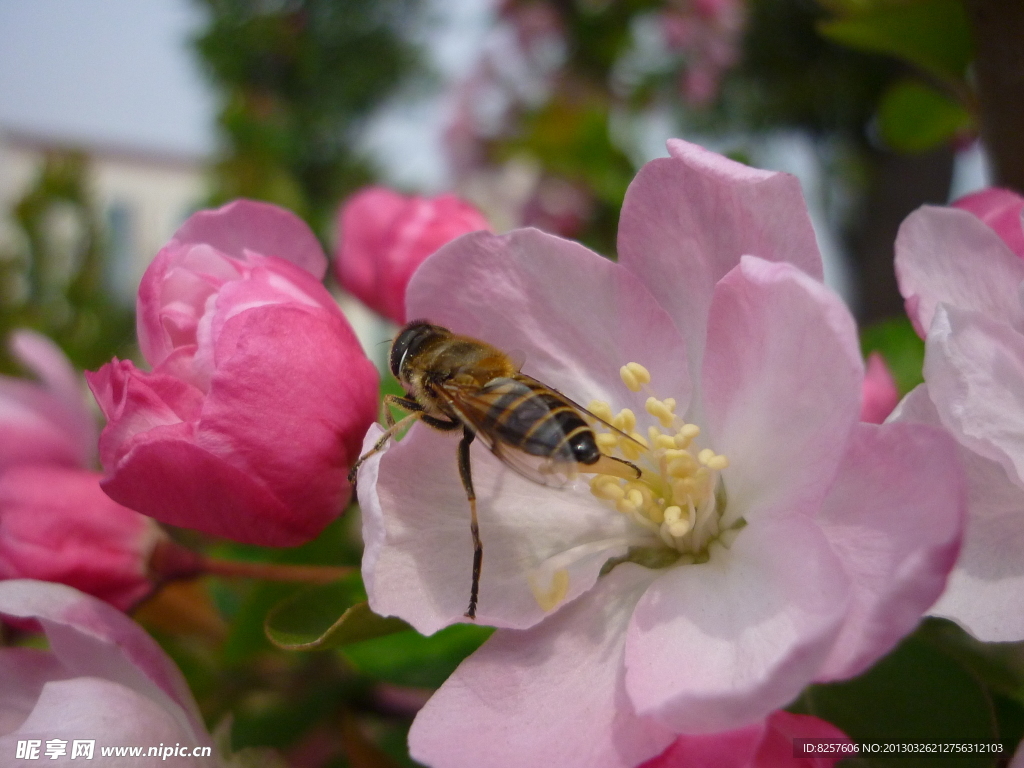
(327, 616)
(914, 117)
(409, 658)
(931, 34)
(902, 348)
(917, 693)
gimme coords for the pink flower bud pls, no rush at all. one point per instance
(1001, 209)
(44, 422)
(57, 525)
(260, 393)
(104, 681)
(385, 236)
(879, 394)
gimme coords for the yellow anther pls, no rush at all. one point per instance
(670, 403)
(607, 441)
(718, 462)
(681, 467)
(666, 442)
(601, 409)
(654, 513)
(639, 438)
(625, 420)
(705, 456)
(554, 593)
(634, 376)
(660, 410)
(673, 514)
(606, 487)
(679, 529)
(635, 498)
(625, 506)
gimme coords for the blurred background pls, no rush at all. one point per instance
(118, 119)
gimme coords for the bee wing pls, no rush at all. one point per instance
(593, 418)
(472, 409)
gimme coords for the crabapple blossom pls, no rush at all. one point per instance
(45, 422)
(55, 522)
(962, 283)
(384, 236)
(772, 539)
(880, 395)
(103, 679)
(259, 394)
(768, 744)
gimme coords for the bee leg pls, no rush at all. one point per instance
(379, 445)
(478, 548)
(401, 402)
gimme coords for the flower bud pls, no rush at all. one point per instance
(385, 236)
(259, 395)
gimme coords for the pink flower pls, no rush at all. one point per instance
(1001, 209)
(103, 679)
(385, 236)
(259, 395)
(44, 423)
(57, 525)
(707, 33)
(777, 541)
(879, 393)
(962, 288)
(55, 522)
(768, 744)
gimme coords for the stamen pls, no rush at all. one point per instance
(555, 592)
(634, 376)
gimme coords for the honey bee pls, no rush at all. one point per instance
(456, 383)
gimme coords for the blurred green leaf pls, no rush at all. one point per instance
(931, 34)
(409, 658)
(903, 350)
(917, 693)
(914, 117)
(326, 616)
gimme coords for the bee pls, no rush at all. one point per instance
(457, 383)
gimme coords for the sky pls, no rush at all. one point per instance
(109, 72)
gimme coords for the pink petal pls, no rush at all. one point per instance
(577, 317)
(948, 256)
(1001, 209)
(880, 394)
(985, 593)
(244, 226)
(57, 525)
(894, 516)
(92, 639)
(551, 695)
(974, 366)
(781, 385)
(716, 646)
(768, 744)
(419, 551)
(46, 360)
(686, 221)
(111, 713)
(386, 236)
(24, 672)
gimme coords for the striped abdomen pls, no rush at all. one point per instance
(535, 419)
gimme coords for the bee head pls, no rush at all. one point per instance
(410, 340)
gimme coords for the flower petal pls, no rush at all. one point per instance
(91, 638)
(949, 256)
(551, 695)
(251, 225)
(578, 317)
(781, 386)
(894, 516)
(419, 551)
(985, 593)
(1000, 209)
(974, 366)
(108, 712)
(24, 672)
(716, 646)
(686, 221)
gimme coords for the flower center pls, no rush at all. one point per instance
(680, 496)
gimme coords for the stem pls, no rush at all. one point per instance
(312, 574)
